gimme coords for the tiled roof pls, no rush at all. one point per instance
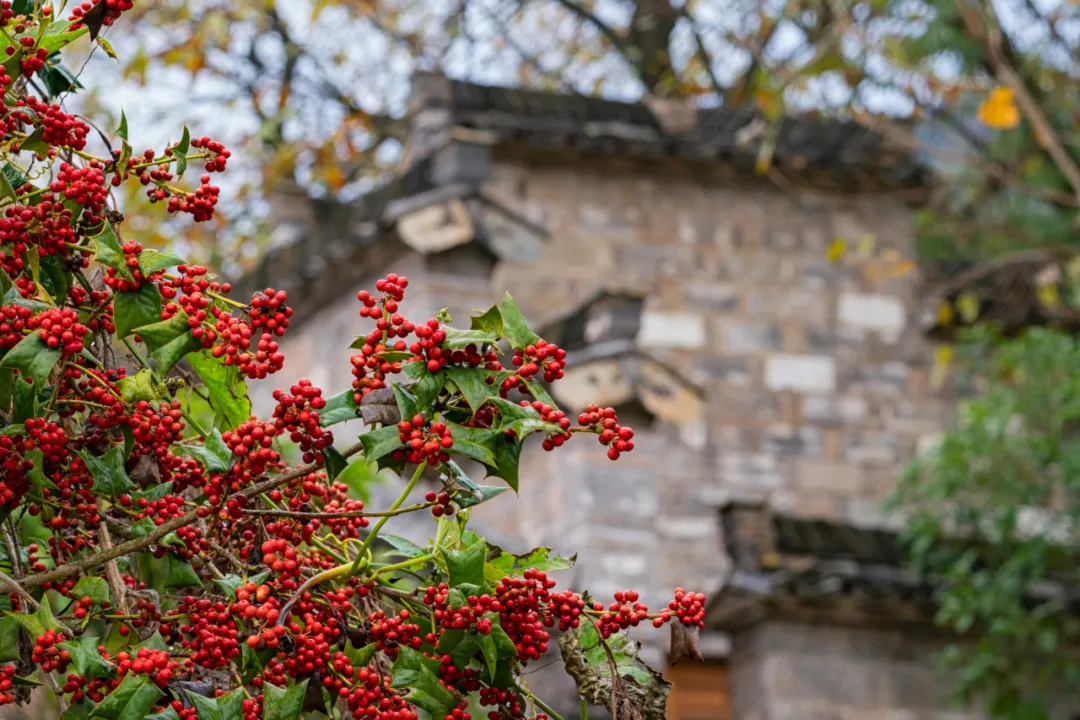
(728, 134)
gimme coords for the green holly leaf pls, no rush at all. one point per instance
(227, 707)
(406, 403)
(472, 382)
(456, 339)
(477, 443)
(334, 462)
(489, 321)
(110, 477)
(522, 420)
(94, 588)
(381, 442)
(107, 252)
(122, 131)
(428, 387)
(150, 261)
(180, 151)
(538, 392)
(227, 391)
(214, 454)
(402, 547)
(339, 408)
(515, 329)
(360, 656)
(131, 700)
(507, 459)
(405, 672)
(282, 703)
(81, 710)
(58, 36)
(483, 494)
(139, 386)
(430, 694)
(486, 643)
(466, 566)
(167, 714)
(34, 143)
(9, 639)
(169, 571)
(32, 358)
(134, 309)
(504, 646)
(86, 658)
(229, 585)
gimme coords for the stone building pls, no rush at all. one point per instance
(770, 388)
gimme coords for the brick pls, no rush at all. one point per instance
(742, 338)
(722, 296)
(783, 439)
(708, 368)
(800, 373)
(834, 410)
(671, 330)
(882, 314)
(834, 477)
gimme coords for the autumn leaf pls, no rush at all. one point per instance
(836, 250)
(999, 110)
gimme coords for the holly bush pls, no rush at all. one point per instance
(156, 565)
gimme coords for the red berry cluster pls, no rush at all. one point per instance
(688, 607)
(467, 617)
(210, 632)
(297, 414)
(344, 527)
(113, 9)
(268, 310)
(367, 692)
(523, 602)
(618, 438)
(543, 356)
(85, 185)
(199, 203)
(369, 367)
(423, 442)
(58, 128)
(217, 155)
(281, 557)
(625, 612)
(14, 321)
(253, 441)
(60, 328)
(428, 347)
(390, 632)
(118, 283)
(442, 502)
(47, 654)
(7, 672)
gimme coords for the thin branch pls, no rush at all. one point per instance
(299, 515)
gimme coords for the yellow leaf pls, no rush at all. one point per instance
(943, 357)
(1048, 295)
(968, 305)
(945, 314)
(836, 250)
(903, 268)
(866, 245)
(999, 110)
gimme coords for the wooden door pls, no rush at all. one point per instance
(699, 692)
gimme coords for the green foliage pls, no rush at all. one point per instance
(992, 518)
